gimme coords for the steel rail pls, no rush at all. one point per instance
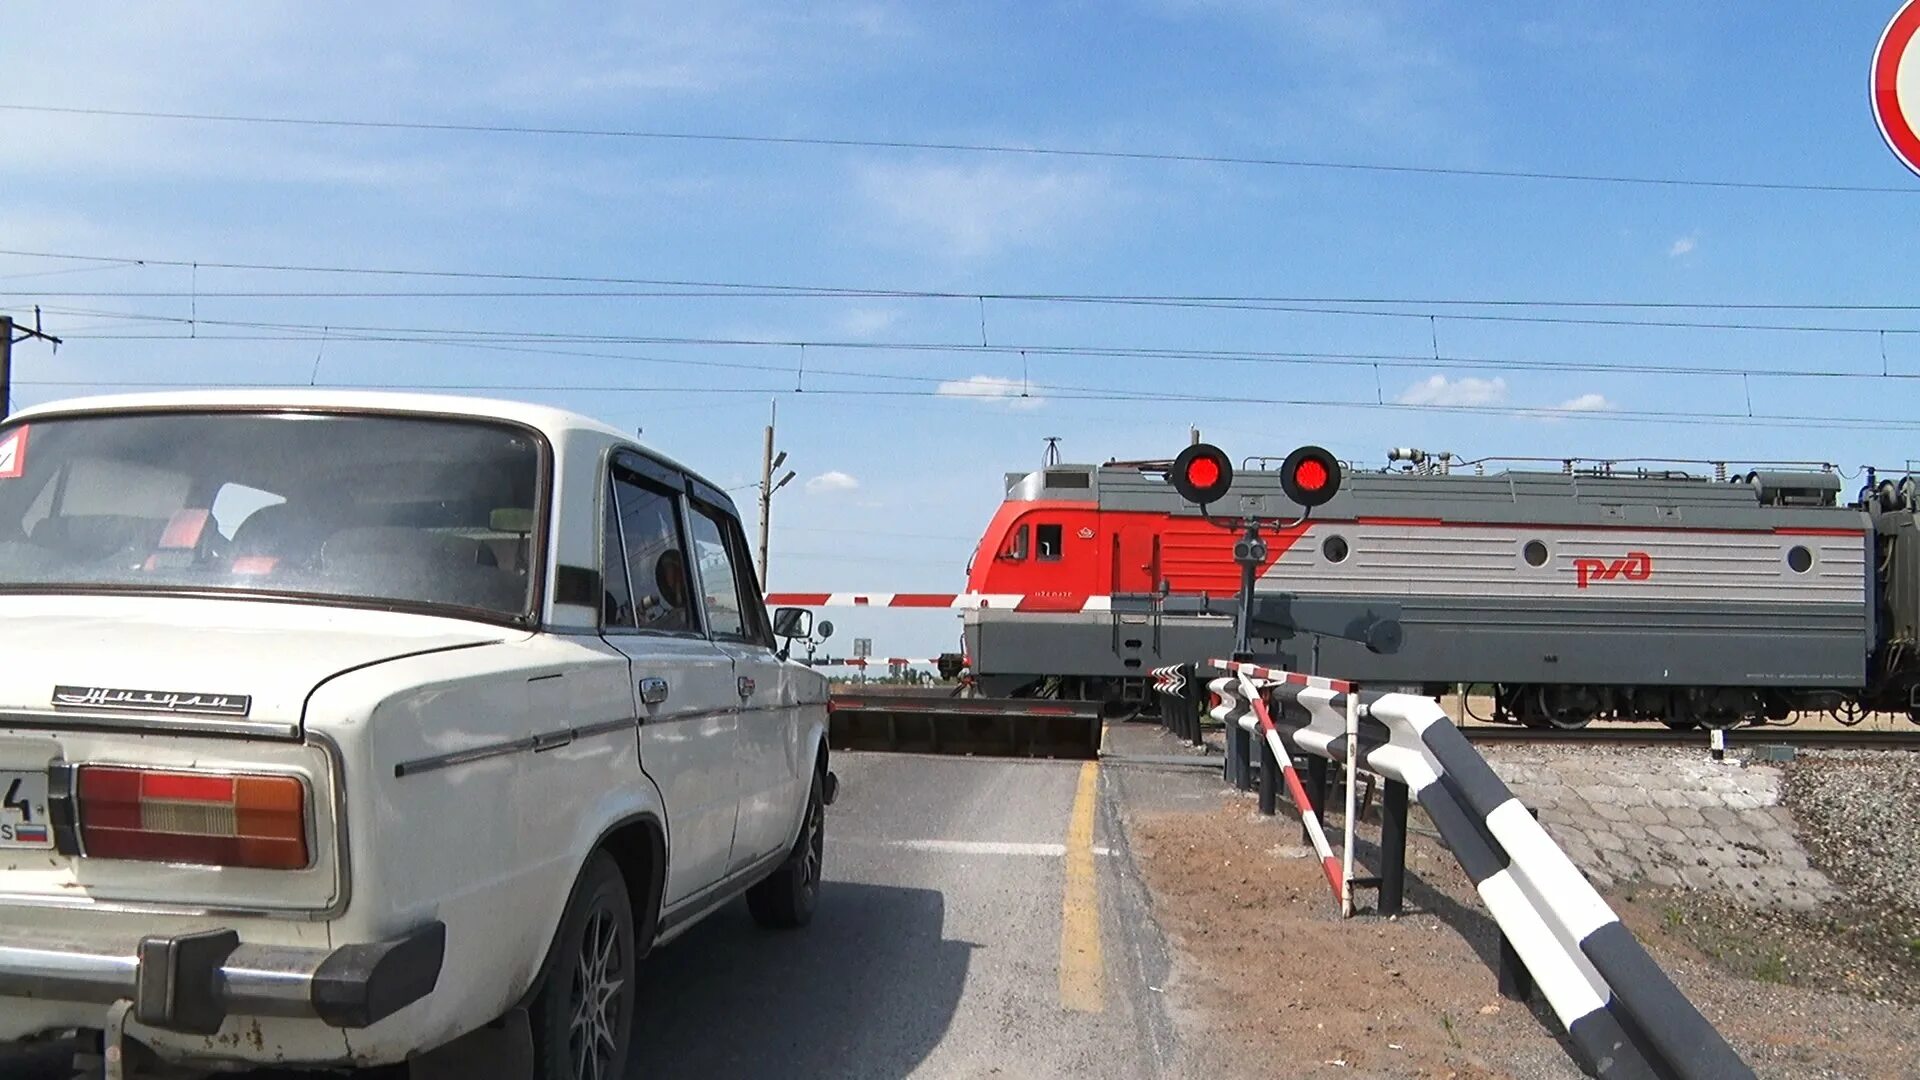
(1811, 739)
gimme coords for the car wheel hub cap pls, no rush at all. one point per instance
(810, 859)
(599, 995)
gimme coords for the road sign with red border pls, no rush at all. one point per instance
(1895, 88)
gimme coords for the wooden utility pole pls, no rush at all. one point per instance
(769, 462)
(7, 329)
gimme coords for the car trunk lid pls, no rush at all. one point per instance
(189, 664)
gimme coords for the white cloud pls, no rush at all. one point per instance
(1466, 390)
(1586, 403)
(991, 388)
(970, 211)
(314, 60)
(866, 322)
(1338, 69)
(831, 481)
(1684, 246)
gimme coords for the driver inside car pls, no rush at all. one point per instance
(667, 608)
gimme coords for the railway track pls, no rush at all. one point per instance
(1807, 738)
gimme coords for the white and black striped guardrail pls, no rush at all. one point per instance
(1622, 1013)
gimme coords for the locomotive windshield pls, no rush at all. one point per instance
(403, 511)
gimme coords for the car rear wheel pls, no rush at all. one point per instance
(583, 1016)
(787, 898)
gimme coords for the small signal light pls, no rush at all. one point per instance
(1201, 474)
(1310, 476)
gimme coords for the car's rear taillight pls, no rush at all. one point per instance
(215, 819)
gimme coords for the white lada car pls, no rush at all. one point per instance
(352, 728)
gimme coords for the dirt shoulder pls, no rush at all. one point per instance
(1278, 985)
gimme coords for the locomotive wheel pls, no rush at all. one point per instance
(1724, 708)
(1679, 724)
(1913, 716)
(1848, 712)
(1561, 715)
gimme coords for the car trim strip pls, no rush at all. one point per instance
(558, 737)
(155, 724)
(546, 740)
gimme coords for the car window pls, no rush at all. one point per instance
(656, 556)
(616, 604)
(753, 606)
(409, 510)
(718, 578)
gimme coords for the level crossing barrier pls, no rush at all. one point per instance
(1623, 1015)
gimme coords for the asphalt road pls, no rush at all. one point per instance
(980, 917)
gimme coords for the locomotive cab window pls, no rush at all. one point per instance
(1535, 553)
(1799, 559)
(1047, 539)
(1016, 549)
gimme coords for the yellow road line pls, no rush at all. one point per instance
(1081, 968)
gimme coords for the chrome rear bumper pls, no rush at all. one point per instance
(192, 982)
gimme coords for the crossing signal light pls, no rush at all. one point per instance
(1202, 474)
(1310, 476)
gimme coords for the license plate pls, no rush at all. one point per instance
(23, 810)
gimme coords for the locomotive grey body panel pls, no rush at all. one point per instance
(1010, 649)
(1459, 640)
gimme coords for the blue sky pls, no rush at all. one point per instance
(894, 489)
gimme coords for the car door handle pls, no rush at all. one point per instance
(653, 691)
(745, 685)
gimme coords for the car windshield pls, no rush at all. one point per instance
(405, 510)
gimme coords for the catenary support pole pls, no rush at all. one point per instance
(8, 328)
(766, 488)
(6, 366)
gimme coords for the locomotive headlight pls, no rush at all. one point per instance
(1310, 476)
(1201, 474)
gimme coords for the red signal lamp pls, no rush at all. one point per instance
(1201, 474)
(1310, 476)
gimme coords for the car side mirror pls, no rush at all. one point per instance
(792, 622)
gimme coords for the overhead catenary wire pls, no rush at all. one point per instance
(294, 331)
(1303, 307)
(698, 288)
(1051, 392)
(943, 146)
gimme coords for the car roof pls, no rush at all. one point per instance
(554, 423)
(546, 419)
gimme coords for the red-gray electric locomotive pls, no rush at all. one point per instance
(1591, 590)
